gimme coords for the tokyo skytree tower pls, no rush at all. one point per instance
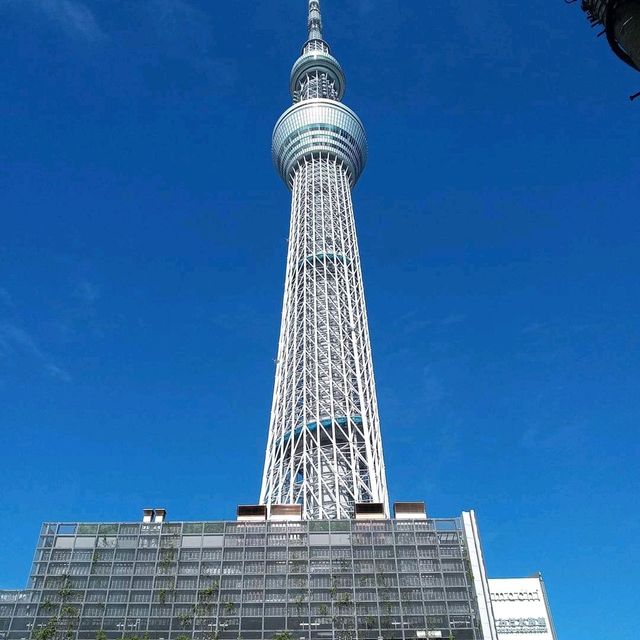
(324, 449)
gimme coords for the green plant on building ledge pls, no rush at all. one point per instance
(206, 600)
(299, 602)
(47, 606)
(185, 620)
(48, 631)
(209, 593)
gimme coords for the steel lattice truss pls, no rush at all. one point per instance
(324, 449)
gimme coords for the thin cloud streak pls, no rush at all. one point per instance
(73, 17)
(16, 341)
(175, 29)
(184, 32)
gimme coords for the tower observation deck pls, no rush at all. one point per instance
(324, 449)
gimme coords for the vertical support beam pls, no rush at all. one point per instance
(479, 574)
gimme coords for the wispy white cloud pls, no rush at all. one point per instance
(73, 318)
(185, 32)
(566, 438)
(73, 17)
(78, 317)
(177, 16)
(16, 341)
(56, 372)
(146, 29)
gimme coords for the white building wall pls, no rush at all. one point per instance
(521, 609)
(479, 573)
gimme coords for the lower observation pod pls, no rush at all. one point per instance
(319, 126)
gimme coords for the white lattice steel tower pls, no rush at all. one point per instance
(324, 449)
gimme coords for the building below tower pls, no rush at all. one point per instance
(254, 579)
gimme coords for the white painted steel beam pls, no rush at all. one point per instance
(324, 449)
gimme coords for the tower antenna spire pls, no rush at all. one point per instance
(315, 20)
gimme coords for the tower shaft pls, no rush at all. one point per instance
(324, 449)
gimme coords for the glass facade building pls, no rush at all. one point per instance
(349, 579)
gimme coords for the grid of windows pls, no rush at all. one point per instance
(230, 580)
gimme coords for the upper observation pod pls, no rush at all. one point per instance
(318, 123)
(317, 74)
(316, 127)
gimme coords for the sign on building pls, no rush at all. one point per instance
(521, 609)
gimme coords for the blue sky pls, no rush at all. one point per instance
(142, 262)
